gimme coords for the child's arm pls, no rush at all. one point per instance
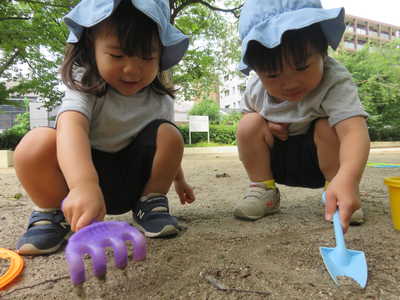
(84, 202)
(280, 130)
(184, 191)
(354, 149)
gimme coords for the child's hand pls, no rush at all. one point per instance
(280, 130)
(342, 195)
(184, 191)
(83, 205)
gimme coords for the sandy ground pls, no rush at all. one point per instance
(278, 254)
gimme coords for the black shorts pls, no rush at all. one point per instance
(294, 162)
(124, 174)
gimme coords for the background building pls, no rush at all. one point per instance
(360, 31)
(232, 91)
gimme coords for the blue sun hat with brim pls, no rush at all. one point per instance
(89, 13)
(265, 21)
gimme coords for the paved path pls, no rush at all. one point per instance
(376, 147)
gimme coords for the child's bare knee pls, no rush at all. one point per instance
(250, 125)
(36, 145)
(168, 133)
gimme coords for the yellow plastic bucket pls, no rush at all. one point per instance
(393, 184)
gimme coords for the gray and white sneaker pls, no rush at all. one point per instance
(357, 218)
(257, 203)
(46, 233)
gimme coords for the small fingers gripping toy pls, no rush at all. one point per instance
(94, 238)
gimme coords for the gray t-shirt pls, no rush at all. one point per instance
(335, 98)
(116, 119)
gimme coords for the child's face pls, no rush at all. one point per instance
(293, 83)
(126, 74)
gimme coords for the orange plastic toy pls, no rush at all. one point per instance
(15, 268)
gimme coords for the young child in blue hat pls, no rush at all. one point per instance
(303, 122)
(114, 148)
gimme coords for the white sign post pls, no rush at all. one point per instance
(198, 124)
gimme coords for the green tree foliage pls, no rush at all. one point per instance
(206, 108)
(32, 33)
(376, 71)
(231, 118)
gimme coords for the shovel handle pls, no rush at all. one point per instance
(337, 226)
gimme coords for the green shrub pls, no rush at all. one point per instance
(231, 119)
(220, 134)
(9, 140)
(391, 133)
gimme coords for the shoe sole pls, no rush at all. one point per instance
(168, 230)
(30, 249)
(238, 213)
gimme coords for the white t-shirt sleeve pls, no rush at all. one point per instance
(342, 101)
(170, 115)
(250, 97)
(77, 101)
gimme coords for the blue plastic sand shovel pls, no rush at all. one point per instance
(340, 261)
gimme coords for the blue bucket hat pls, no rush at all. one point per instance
(89, 13)
(265, 21)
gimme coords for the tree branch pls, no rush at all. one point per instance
(13, 18)
(9, 62)
(45, 3)
(177, 9)
(233, 11)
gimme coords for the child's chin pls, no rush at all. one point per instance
(127, 92)
(296, 99)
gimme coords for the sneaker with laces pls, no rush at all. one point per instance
(357, 218)
(46, 233)
(153, 217)
(257, 203)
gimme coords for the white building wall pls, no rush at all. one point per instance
(231, 91)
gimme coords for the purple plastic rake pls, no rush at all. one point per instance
(94, 238)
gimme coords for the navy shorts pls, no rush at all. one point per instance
(294, 162)
(124, 174)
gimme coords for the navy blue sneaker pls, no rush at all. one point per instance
(153, 216)
(46, 233)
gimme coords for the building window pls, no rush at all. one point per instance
(361, 30)
(349, 28)
(9, 113)
(361, 44)
(349, 44)
(373, 32)
(385, 35)
(226, 77)
(242, 88)
(226, 93)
